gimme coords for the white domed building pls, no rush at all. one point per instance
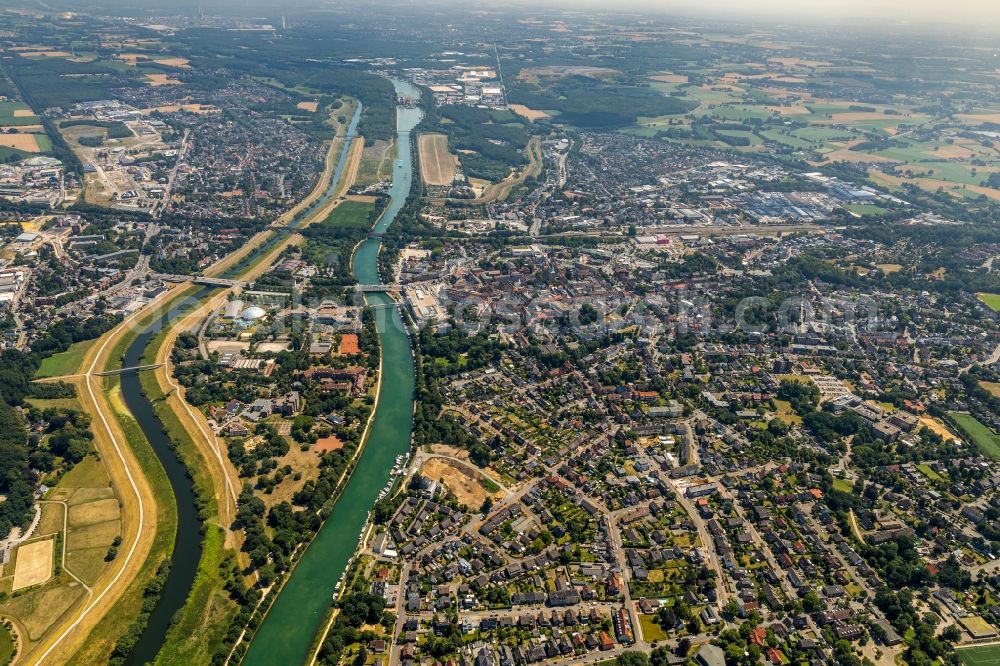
(253, 313)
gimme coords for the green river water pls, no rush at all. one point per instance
(287, 632)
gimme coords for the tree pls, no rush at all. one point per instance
(632, 658)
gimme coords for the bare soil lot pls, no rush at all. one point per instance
(460, 479)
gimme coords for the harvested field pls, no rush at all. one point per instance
(361, 198)
(529, 114)
(34, 563)
(25, 142)
(848, 155)
(173, 62)
(308, 106)
(437, 165)
(459, 479)
(161, 80)
(855, 116)
(952, 152)
(39, 610)
(93, 512)
(789, 110)
(668, 77)
(23, 113)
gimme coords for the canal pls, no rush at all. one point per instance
(285, 635)
(187, 540)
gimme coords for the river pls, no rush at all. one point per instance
(287, 632)
(187, 542)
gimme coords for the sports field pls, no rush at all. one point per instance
(987, 655)
(992, 301)
(437, 165)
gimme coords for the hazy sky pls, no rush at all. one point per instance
(984, 14)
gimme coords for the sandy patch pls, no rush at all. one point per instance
(530, 114)
(308, 106)
(34, 563)
(25, 142)
(161, 80)
(459, 479)
(23, 113)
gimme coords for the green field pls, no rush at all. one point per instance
(6, 645)
(350, 214)
(988, 655)
(64, 363)
(987, 440)
(991, 300)
(7, 118)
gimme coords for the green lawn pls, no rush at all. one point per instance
(992, 301)
(650, 630)
(987, 440)
(843, 485)
(926, 470)
(64, 363)
(988, 655)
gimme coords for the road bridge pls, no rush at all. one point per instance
(203, 280)
(134, 368)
